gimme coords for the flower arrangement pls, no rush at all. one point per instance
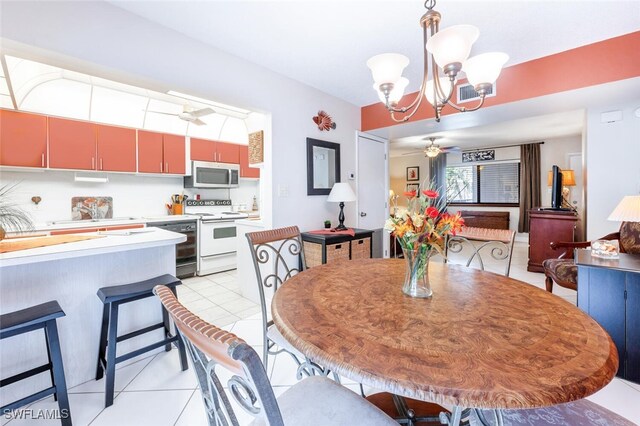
(421, 232)
(424, 223)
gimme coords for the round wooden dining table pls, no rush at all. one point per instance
(482, 341)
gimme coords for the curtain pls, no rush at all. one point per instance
(438, 173)
(529, 183)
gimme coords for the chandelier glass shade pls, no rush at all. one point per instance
(432, 151)
(445, 54)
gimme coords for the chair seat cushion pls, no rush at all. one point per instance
(318, 401)
(275, 336)
(563, 271)
(577, 413)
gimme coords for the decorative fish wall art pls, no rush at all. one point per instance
(324, 121)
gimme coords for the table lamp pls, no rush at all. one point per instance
(341, 193)
(628, 210)
(568, 179)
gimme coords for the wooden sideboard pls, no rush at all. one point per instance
(325, 248)
(609, 291)
(484, 219)
(545, 227)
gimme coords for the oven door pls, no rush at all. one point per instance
(217, 237)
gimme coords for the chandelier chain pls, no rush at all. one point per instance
(430, 4)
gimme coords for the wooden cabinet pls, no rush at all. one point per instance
(116, 149)
(609, 291)
(215, 151)
(23, 139)
(160, 153)
(325, 248)
(72, 144)
(245, 170)
(482, 219)
(547, 226)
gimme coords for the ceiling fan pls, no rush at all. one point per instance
(189, 114)
(432, 150)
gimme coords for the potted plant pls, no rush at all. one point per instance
(327, 224)
(12, 217)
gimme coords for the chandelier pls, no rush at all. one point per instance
(449, 51)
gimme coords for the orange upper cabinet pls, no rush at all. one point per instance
(203, 150)
(228, 153)
(23, 139)
(116, 149)
(173, 149)
(160, 153)
(245, 170)
(218, 152)
(72, 144)
(150, 158)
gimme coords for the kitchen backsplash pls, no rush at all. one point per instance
(133, 195)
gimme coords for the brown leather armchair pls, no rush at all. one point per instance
(564, 272)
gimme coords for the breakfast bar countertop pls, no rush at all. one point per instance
(112, 242)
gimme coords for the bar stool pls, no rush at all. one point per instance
(114, 296)
(31, 319)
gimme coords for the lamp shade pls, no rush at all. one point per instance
(396, 94)
(341, 193)
(445, 85)
(387, 67)
(484, 68)
(452, 44)
(568, 178)
(628, 210)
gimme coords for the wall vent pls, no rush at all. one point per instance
(466, 93)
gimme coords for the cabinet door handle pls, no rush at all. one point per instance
(166, 167)
(161, 167)
(42, 160)
(93, 163)
(101, 168)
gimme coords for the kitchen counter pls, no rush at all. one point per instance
(73, 224)
(107, 244)
(72, 273)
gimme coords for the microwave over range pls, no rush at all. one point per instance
(212, 175)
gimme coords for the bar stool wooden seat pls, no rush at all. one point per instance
(114, 296)
(37, 317)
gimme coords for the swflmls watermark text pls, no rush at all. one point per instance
(33, 414)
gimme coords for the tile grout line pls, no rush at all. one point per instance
(185, 407)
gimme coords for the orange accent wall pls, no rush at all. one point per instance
(610, 60)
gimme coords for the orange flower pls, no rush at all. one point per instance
(410, 194)
(453, 223)
(432, 212)
(430, 193)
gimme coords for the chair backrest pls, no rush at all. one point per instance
(277, 256)
(630, 237)
(497, 242)
(211, 347)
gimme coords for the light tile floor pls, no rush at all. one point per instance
(153, 391)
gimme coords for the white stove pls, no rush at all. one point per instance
(217, 235)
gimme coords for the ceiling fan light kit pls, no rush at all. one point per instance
(449, 49)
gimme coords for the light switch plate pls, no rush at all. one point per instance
(283, 191)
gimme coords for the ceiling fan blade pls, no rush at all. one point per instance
(202, 112)
(451, 149)
(198, 122)
(165, 113)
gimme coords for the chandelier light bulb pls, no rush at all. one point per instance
(432, 151)
(396, 93)
(387, 67)
(484, 68)
(453, 44)
(445, 84)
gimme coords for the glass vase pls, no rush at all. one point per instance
(416, 279)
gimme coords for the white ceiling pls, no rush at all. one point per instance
(325, 44)
(524, 130)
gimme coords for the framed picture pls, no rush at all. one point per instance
(413, 187)
(479, 155)
(413, 173)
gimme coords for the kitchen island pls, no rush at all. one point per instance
(72, 273)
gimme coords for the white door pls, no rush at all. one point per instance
(372, 176)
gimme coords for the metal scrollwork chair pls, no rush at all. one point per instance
(497, 242)
(314, 401)
(278, 255)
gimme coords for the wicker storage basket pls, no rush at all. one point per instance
(313, 253)
(361, 249)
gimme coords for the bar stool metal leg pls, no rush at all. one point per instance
(58, 372)
(111, 354)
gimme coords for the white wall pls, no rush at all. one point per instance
(133, 195)
(101, 39)
(398, 173)
(612, 165)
